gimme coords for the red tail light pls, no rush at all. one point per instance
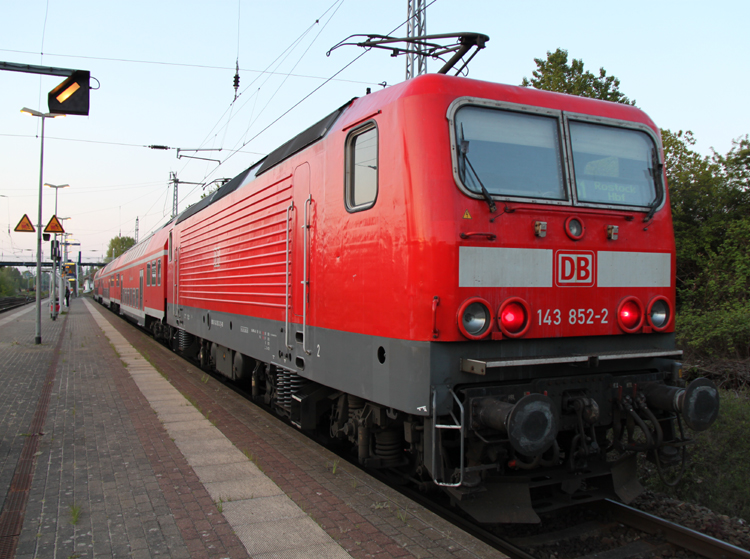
(630, 314)
(514, 317)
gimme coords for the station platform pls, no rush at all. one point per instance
(113, 446)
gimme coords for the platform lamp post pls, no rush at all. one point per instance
(57, 282)
(38, 333)
(62, 282)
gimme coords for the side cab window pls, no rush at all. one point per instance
(361, 173)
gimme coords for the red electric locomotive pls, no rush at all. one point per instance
(472, 283)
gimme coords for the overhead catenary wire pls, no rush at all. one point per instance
(277, 62)
(268, 73)
(180, 64)
(234, 152)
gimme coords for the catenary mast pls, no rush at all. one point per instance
(416, 26)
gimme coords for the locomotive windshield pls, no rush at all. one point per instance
(613, 165)
(510, 154)
(504, 153)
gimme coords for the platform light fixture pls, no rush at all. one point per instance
(40, 225)
(57, 283)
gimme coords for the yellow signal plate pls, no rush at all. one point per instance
(54, 226)
(25, 225)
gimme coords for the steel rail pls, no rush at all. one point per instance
(675, 534)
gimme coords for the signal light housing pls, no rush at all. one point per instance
(659, 313)
(71, 97)
(514, 317)
(630, 314)
(475, 318)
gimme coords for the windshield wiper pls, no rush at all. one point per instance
(656, 174)
(464, 150)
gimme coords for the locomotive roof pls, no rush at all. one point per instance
(316, 132)
(302, 140)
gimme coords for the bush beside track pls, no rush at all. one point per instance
(718, 471)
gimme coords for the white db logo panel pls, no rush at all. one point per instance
(574, 269)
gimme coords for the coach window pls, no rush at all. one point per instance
(362, 168)
(148, 274)
(153, 272)
(158, 272)
(170, 246)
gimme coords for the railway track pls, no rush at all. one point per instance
(10, 303)
(611, 530)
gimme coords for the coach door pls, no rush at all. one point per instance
(301, 244)
(176, 282)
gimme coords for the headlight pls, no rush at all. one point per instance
(475, 318)
(659, 313)
(574, 228)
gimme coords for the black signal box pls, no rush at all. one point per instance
(71, 97)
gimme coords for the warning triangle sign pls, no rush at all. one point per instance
(54, 226)
(25, 225)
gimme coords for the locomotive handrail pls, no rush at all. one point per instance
(435, 427)
(286, 279)
(305, 282)
(490, 236)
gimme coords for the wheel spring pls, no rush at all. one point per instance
(283, 389)
(184, 339)
(388, 444)
(288, 384)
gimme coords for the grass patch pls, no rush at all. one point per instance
(334, 467)
(194, 402)
(254, 459)
(204, 379)
(75, 513)
(718, 471)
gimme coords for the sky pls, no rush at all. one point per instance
(164, 72)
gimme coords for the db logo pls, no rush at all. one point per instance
(574, 269)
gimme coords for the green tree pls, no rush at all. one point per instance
(555, 74)
(118, 245)
(710, 199)
(10, 281)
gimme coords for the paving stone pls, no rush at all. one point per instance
(280, 535)
(257, 486)
(227, 472)
(277, 507)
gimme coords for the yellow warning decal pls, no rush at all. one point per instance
(25, 225)
(54, 226)
(467, 215)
